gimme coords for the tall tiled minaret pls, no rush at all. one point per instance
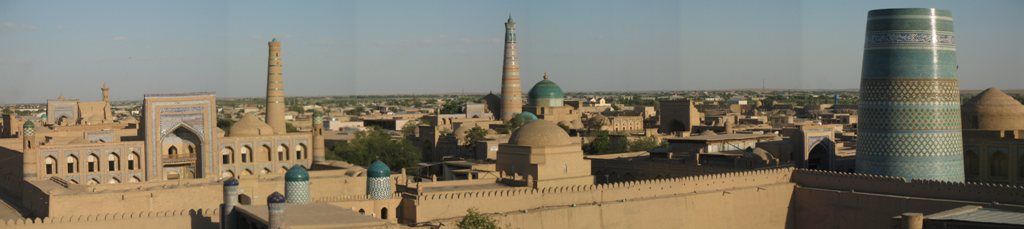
(511, 92)
(275, 89)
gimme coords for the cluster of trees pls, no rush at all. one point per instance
(377, 144)
(475, 220)
(604, 144)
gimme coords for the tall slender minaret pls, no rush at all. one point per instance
(511, 92)
(30, 158)
(275, 89)
(106, 93)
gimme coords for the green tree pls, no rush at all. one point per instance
(474, 135)
(618, 145)
(296, 108)
(377, 144)
(409, 129)
(514, 123)
(225, 124)
(290, 128)
(601, 144)
(454, 106)
(644, 144)
(475, 220)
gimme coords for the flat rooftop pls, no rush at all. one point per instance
(721, 137)
(316, 215)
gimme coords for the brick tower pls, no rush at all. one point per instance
(511, 92)
(275, 89)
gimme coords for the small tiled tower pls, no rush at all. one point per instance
(275, 208)
(29, 152)
(319, 155)
(910, 97)
(296, 185)
(378, 181)
(227, 219)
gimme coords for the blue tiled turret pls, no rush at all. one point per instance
(227, 218)
(378, 181)
(275, 207)
(910, 97)
(296, 185)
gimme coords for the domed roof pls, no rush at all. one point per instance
(28, 125)
(249, 125)
(540, 133)
(378, 169)
(296, 173)
(527, 117)
(708, 133)
(993, 110)
(545, 89)
(275, 198)
(231, 182)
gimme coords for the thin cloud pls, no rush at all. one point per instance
(119, 38)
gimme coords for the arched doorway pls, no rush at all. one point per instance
(971, 167)
(384, 213)
(818, 157)
(183, 157)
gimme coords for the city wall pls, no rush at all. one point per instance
(173, 195)
(761, 197)
(171, 219)
(845, 200)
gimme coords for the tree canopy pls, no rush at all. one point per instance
(377, 144)
(475, 220)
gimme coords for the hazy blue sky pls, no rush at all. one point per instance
(48, 48)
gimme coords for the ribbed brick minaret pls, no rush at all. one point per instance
(275, 89)
(30, 153)
(319, 155)
(106, 93)
(511, 92)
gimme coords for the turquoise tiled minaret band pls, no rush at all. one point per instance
(910, 97)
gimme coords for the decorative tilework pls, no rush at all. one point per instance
(378, 188)
(296, 192)
(910, 98)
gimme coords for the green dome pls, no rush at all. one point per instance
(28, 125)
(378, 169)
(546, 93)
(527, 117)
(296, 173)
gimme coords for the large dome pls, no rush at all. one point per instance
(248, 126)
(540, 133)
(993, 110)
(378, 169)
(546, 94)
(296, 173)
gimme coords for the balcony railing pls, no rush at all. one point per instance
(173, 159)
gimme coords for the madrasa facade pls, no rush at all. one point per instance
(541, 180)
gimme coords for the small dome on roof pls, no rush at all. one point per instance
(378, 169)
(28, 125)
(527, 117)
(993, 110)
(275, 198)
(248, 126)
(231, 182)
(296, 173)
(540, 133)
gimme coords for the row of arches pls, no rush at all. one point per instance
(112, 180)
(263, 154)
(228, 173)
(93, 164)
(998, 165)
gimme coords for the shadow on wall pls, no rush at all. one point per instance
(202, 221)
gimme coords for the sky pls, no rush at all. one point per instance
(369, 47)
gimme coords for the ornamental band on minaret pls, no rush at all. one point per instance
(511, 93)
(275, 89)
(910, 97)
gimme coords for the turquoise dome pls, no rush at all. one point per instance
(546, 94)
(378, 169)
(527, 117)
(296, 173)
(28, 125)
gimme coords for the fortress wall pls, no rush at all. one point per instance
(744, 207)
(987, 192)
(169, 196)
(171, 219)
(445, 205)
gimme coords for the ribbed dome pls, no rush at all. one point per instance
(296, 173)
(546, 94)
(378, 169)
(540, 133)
(249, 125)
(28, 125)
(993, 110)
